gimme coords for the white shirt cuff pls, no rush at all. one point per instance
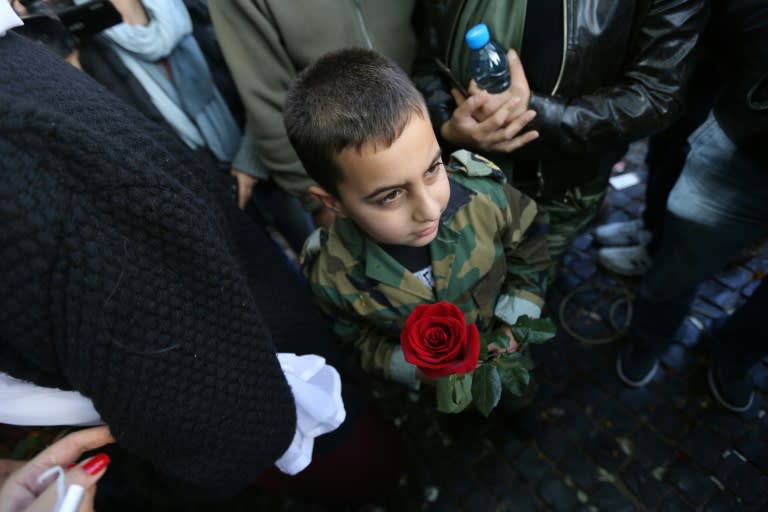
(402, 371)
(509, 309)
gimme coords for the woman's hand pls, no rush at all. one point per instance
(22, 492)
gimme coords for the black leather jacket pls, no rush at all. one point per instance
(623, 69)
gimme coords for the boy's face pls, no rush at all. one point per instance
(395, 194)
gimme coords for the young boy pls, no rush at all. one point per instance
(409, 230)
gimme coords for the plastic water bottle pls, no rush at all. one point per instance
(488, 63)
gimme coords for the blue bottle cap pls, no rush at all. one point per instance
(478, 36)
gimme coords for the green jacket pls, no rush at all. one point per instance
(489, 258)
(266, 43)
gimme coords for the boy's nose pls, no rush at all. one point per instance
(427, 208)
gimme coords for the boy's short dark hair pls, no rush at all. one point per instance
(347, 98)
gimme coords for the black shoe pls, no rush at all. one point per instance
(733, 393)
(636, 367)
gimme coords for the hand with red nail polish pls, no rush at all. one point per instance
(22, 492)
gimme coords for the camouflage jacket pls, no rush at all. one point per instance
(489, 258)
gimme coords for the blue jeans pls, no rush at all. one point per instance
(718, 205)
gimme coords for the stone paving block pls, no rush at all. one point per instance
(743, 479)
(566, 280)
(749, 288)
(520, 499)
(532, 465)
(673, 502)
(725, 423)
(704, 447)
(670, 421)
(640, 400)
(650, 449)
(494, 474)
(588, 394)
(577, 468)
(575, 424)
(511, 448)
(689, 332)
(479, 500)
(615, 215)
(607, 497)
(633, 208)
(642, 481)
(703, 307)
(442, 504)
(556, 494)
(718, 294)
(582, 242)
(605, 450)
(583, 267)
(615, 418)
(692, 483)
(735, 277)
(553, 443)
(724, 501)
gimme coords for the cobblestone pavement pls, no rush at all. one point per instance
(588, 443)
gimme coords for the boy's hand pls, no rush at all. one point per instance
(495, 350)
(245, 184)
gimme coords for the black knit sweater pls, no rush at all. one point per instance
(118, 279)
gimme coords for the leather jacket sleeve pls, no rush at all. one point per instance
(645, 98)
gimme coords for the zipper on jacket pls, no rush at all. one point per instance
(565, 48)
(363, 26)
(540, 167)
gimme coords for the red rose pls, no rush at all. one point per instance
(438, 341)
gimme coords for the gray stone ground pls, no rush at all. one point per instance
(588, 443)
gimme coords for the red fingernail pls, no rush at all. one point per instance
(96, 463)
(71, 465)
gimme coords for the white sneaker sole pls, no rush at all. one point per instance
(723, 402)
(636, 383)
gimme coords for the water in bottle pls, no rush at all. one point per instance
(488, 63)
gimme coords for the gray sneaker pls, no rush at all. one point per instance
(625, 261)
(630, 232)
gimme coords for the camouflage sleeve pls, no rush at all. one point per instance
(379, 351)
(528, 261)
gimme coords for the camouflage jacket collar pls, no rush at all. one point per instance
(380, 266)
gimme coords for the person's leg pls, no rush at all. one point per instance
(718, 205)
(570, 213)
(737, 344)
(667, 152)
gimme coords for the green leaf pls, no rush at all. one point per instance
(454, 393)
(486, 389)
(515, 379)
(530, 330)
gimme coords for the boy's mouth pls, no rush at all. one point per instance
(428, 231)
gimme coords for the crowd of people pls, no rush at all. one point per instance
(149, 159)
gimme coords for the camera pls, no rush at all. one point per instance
(62, 26)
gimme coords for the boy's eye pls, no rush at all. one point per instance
(435, 169)
(391, 197)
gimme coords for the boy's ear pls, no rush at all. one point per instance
(326, 199)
